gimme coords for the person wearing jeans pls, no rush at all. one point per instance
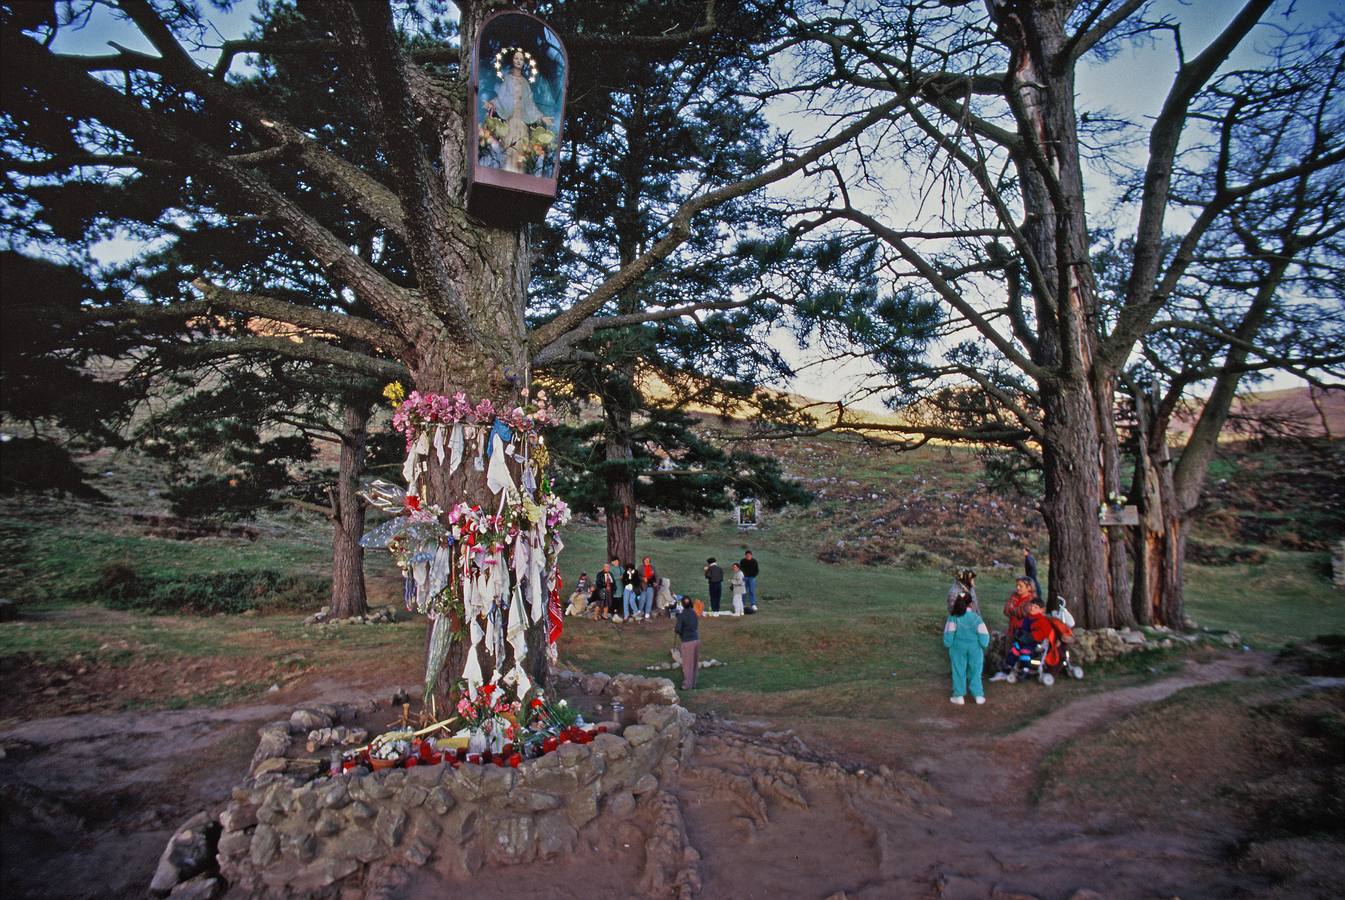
(649, 578)
(630, 592)
(750, 570)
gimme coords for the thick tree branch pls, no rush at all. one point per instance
(421, 189)
(309, 349)
(163, 137)
(353, 185)
(1137, 313)
(304, 317)
(1093, 30)
(679, 229)
(1163, 142)
(559, 350)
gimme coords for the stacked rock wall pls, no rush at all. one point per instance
(284, 838)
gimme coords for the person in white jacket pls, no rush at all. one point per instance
(738, 586)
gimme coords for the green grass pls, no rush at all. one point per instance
(41, 561)
(828, 636)
(1284, 599)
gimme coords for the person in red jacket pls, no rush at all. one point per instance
(1034, 628)
(1015, 610)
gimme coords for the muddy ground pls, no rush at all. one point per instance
(941, 809)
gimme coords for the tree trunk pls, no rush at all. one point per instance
(498, 371)
(1158, 593)
(348, 595)
(620, 508)
(1120, 612)
(1072, 475)
(1040, 91)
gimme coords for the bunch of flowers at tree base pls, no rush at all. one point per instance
(548, 725)
(490, 718)
(391, 746)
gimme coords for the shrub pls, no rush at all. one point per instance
(121, 587)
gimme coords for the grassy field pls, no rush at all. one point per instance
(831, 641)
(831, 636)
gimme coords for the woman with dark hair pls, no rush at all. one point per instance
(687, 628)
(963, 582)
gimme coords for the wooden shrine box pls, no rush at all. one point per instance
(516, 95)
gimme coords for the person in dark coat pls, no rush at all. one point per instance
(632, 585)
(604, 589)
(714, 577)
(687, 628)
(750, 570)
(1030, 570)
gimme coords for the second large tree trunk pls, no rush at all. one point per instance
(1161, 545)
(348, 594)
(620, 474)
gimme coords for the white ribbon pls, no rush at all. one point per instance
(536, 562)
(421, 572)
(498, 477)
(439, 442)
(439, 568)
(456, 443)
(471, 672)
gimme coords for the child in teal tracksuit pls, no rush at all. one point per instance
(966, 638)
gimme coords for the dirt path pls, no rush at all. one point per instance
(767, 815)
(959, 823)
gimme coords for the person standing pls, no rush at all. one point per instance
(714, 576)
(750, 570)
(687, 628)
(966, 637)
(1030, 570)
(648, 578)
(1015, 610)
(737, 585)
(964, 583)
(604, 591)
(631, 588)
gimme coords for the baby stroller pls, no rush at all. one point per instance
(1048, 655)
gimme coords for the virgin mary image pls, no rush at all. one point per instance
(514, 133)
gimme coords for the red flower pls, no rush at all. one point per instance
(536, 703)
(412, 501)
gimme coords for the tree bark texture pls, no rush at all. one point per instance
(620, 509)
(1161, 543)
(1073, 487)
(1041, 93)
(348, 591)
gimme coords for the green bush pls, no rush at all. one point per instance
(122, 587)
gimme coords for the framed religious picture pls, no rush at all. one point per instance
(1118, 515)
(747, 514)
(517, 94)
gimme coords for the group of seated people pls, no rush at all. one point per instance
(630, 593)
